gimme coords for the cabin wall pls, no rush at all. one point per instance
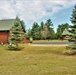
(4, 37)
(66, 37)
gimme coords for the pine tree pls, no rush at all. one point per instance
(42, 25)
(16, 35)
(59, 31)
(73, 20)
(41, 28)
(23, 25)
(73, 28)
(35, 31)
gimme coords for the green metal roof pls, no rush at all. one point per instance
(6, 24)
(66, 32)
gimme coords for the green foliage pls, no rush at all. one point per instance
(28, 34)
(42, 31)
(13, 47)
(16, 35)
(35, 31)
(60, 29)
(52, 32)
(23, 25)
(72, 47)
(42, 25)
(41, 28)
(73, 18)
(47, 31)
(49, 23)
(73, 29)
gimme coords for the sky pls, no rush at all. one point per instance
(30, 11)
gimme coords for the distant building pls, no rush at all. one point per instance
(5, 26)
(66, 34)
(5, 29)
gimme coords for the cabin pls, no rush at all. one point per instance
(5, 26)
(5, 30)
(66, 35)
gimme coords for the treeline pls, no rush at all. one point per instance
(46, 31)
(42, 31)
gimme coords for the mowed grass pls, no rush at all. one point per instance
(37, 60)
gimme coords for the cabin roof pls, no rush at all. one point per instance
(66, 32)
(6, 24)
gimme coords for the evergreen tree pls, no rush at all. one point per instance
(73, 27)
(42, 25)
(53, 35)
(23, 25)
(41, 28)
(49, 23)
(59, 32)
(73, 20)
(28, 34)
(16, 35)
(35, 31)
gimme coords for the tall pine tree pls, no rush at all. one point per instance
(35, 31)
(41, 28)
(73, 28)
(73, 20)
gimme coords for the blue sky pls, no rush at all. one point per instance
(30, 11)
(62, 17)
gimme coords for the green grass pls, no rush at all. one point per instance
(37, 60)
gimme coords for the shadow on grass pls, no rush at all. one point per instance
(45, 51)
(14, 48)
(51, 50)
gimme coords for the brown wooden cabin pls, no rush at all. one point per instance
(66, 35)
(5, 26)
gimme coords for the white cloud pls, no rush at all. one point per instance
(32, 10)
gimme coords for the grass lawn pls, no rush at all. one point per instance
(37, 60)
